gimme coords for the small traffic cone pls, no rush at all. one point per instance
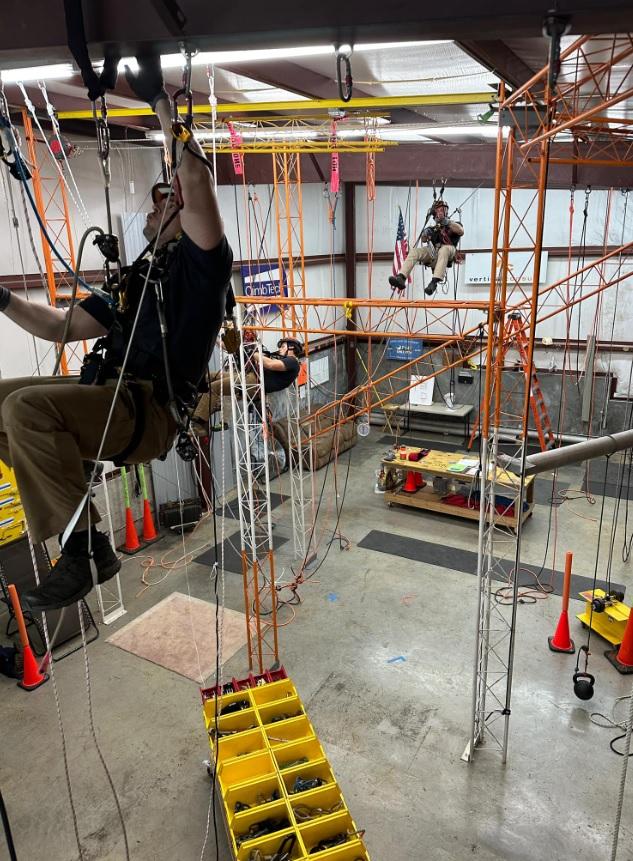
(622, 658)
(419, 480)
(149, 530)
(31, 676)
(132, 544)
(410, 485)
(561, 641)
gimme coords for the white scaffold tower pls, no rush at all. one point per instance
(252, 469)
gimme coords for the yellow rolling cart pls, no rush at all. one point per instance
(274, 776)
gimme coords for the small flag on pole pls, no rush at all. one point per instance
(402, 246)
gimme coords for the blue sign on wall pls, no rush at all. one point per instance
(262, 279)
(404, 349)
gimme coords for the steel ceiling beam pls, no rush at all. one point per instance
(34, 32)
(295, 78)
(496, 56)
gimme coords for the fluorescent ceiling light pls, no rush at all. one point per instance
(208, 58)
(262, 134)
(477, 130)
(381, 46)
(37, 73)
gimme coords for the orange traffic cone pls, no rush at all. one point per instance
(420, 482)
(561, 641)
(132, 544)
(622, 658)
(149, 530)
(31, 676)
(410, 485)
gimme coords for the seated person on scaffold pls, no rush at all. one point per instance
(281, 369)
(49, 427)
(441, 241)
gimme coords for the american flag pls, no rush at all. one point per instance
(402, 246)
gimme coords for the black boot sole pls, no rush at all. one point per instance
(35, 606)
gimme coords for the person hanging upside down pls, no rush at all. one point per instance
(281, 369)
(49, 427)
(441, 247)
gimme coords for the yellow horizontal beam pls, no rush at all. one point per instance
(323, 105)
(301, 146)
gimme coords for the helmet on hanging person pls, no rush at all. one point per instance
(437, 205)
(296, 345)
(160, 190)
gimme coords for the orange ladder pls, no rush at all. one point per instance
(514, 336)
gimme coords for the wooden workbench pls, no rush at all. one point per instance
(438, 463)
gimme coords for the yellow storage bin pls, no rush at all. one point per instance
(307, 749)
(326, 828)
(352, 851)
(280, 711)
(321, 770)
(245, 768)
(280, 690)
(311, 805)
(241, 744)
(270, 845)
(223, 702)
(283, 732)
(231, 724)
(256, 794)
(242, 822)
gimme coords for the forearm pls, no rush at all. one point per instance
(272, 364)
(200, 214)
(36, 319)
(191, 171)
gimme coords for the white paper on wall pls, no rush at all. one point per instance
(421, 394)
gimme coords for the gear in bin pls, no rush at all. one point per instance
(260, 829)
(284, 852)
(303, 784)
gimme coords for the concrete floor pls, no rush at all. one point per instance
(394, 732)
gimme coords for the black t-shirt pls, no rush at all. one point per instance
(195, 293)
(277, 381)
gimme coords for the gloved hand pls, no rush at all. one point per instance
(5, 298)
(427, 233)
(147, 84)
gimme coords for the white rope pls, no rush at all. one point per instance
(60, 721)
(93, 731)
(214, 116)
(55, 124)
(31, 108)
(8, 190)
(623, 775)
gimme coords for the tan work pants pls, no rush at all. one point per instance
(437, 260)
(211, 401)
(48, 425)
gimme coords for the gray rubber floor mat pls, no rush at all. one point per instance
(445, 556)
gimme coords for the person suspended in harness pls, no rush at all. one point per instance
(281, 369)
(438, 251)
(49, 427)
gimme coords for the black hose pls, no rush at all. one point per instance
(73, 298)
(7, 830)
